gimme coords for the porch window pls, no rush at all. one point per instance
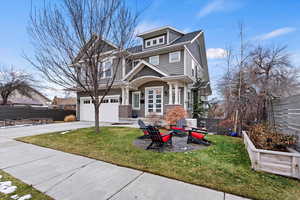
(174, 57)
(154, 60)
(136, 96)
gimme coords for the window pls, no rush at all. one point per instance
(106, 69)
(86, 102)
(136, 96)
(155, 41)
(114, 100)
(154, 60)
(174, 57)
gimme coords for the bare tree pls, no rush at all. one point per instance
(72, 41)
(12, 80)
(271, 74)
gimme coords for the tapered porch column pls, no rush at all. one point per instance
(176, 93)
(185, 99)
(127, 96)
(123, 96)
(170, 93)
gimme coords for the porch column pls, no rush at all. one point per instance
(123, 96)
(170, 93)
(185, 99)
(127, 96)
(176, 93)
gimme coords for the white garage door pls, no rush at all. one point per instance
(109, 109)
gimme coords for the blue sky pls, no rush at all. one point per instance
(271, 22)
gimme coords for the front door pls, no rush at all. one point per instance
(154, 100)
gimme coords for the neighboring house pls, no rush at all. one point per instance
(155, 76)
(64, 103)
(36, 99)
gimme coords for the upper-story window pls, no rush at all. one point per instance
(106, 69)
(154, 60)
(155, 41)
(174, 57)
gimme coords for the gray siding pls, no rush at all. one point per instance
(146, 71)
(172, 69)
(188, 64)
(173, 35)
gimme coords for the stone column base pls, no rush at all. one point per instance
(125, 111)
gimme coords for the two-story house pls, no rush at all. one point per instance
(155, 76)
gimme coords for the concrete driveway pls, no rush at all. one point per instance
(64, 176)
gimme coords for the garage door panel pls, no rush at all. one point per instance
(108, 112)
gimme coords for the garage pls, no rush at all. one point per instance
(109, 109)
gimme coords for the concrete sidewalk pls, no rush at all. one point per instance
(65, 176)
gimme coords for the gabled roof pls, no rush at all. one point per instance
(140, 66)
(159, 29)
(188, 37)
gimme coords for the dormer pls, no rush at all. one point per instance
(159, 37)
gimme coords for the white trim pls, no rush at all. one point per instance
(140, 66)
(158, 29)
(103, 73)
(184, 61)
(123, 67)
(133, 93)
(152, 57)
(196, 36)
(154, 39)
(161, 48)
(173, 53)
(146, 99)
(192, 55)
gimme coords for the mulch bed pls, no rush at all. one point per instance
(179, 145)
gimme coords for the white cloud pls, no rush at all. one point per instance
(216, 53)
(276, 33)
(219, 5)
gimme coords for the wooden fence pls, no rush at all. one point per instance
(26, 112)
(286, 115)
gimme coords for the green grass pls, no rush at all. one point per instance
(22, 189)
(224, 166)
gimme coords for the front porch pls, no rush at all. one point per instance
(152, 96)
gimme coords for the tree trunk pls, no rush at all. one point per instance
(4, 100)
(97, 127)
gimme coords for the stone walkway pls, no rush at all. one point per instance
(65, 176)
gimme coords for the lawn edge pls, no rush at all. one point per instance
(120, 165)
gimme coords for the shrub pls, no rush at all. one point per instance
(264, 138)
(174, 114)
(70, 118)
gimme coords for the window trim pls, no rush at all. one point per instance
(151, 57)
(132, 95)
(104, 68)
(173, 53)
(155, 39)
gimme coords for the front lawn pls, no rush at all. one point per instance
(224, 166)
(22, 189)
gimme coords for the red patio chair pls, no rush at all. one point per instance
(159, 140)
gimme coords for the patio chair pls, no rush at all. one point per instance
(197, 138)
(159, 140)
(180, 128)
(143, 127)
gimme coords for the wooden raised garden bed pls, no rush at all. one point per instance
(276, 162)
